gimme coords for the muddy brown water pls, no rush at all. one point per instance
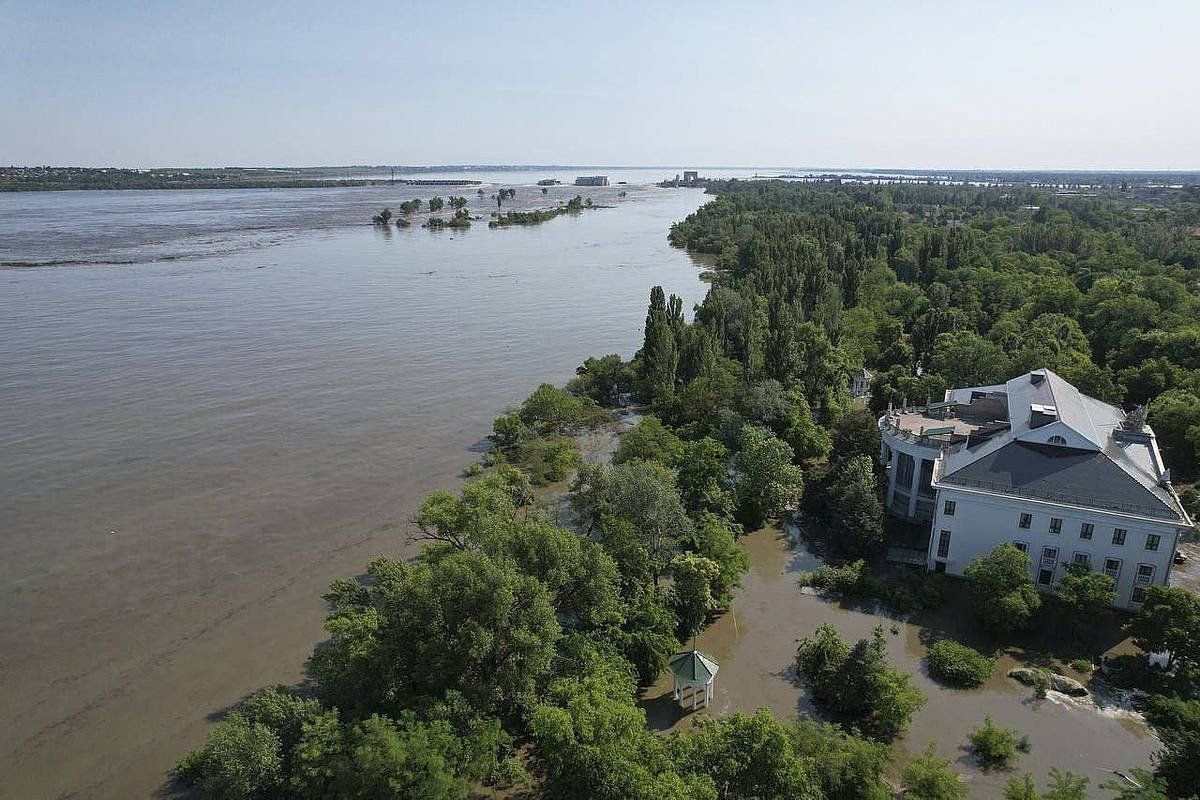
(755, 645)
(193, 448)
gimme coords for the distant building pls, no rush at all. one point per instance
(690, 176)
(1064, 477)
(860, 382)
(592, 180)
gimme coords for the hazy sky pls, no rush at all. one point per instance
(840, 84)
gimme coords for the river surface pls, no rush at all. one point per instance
(197, 441)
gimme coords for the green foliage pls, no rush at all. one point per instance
(603, 379)
(1177, 723)
(1168, 621)
(849, 580)
(1059, 786)
(551, 410)
(594, 743)
(436, 204)
(995, 747)
(1002, 589)
(856, 434)
(857, 682)
(659, 356)
(768, 482)
(714, 540)
(647, 639)
(956, 664)
(927, 777)
(548, 460)
(509, 432)
(856, 512)
(692, 591)
(648, 441)
(702, 468)
(242, 760)
(462, 621)
(637, 511)
(1088, 596)
(846, 767)
(747, 757)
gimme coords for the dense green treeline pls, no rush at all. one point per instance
(510, 650)
(973, 284)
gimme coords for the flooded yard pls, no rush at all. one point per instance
(755, 644)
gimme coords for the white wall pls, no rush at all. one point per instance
(983, 521)
(892, 446)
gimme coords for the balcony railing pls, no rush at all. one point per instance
(932, 442)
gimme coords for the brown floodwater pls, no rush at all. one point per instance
(194, 447)
(755, 645)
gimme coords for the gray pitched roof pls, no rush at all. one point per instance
(1062, 474)
(1119, 474)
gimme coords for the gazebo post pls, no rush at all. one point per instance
(693, 697)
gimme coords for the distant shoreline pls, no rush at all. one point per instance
(45, 178)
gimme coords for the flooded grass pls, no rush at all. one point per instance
(755, 645)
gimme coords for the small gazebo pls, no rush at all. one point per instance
(694, 670)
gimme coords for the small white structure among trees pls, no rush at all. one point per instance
(696, 671)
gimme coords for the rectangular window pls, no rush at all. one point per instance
(1112, 568)
(1152, 541)
(1049, 557)
(1055, 525)
(1045, 576)
(904, 470)
(948, 508)
(1022, 546)
(943, 544)
(1026, 520)
(1145, 575)
(1082, 558)
(1085, 530)
(1139, 595)
(926, 485)
(1118, 536)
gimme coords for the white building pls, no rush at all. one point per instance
(1063, 476)
(860, 382)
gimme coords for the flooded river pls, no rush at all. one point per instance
(755, 645)
(196, 442)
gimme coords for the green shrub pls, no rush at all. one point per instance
(857, 682)
(1082, 665)
(847, 579)
(1041, 685)
(995, 747)
(956, 664)
(549, 460)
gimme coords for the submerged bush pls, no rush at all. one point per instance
(956, 664)
(996, 747)
(848, 579)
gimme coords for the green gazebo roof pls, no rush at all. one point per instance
(693, 666)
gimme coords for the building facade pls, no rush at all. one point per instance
(1062, 476)
(592, 180)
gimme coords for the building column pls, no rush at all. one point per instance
(891, 472)
(915, 491)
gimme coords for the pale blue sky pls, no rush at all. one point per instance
(1065, 84)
